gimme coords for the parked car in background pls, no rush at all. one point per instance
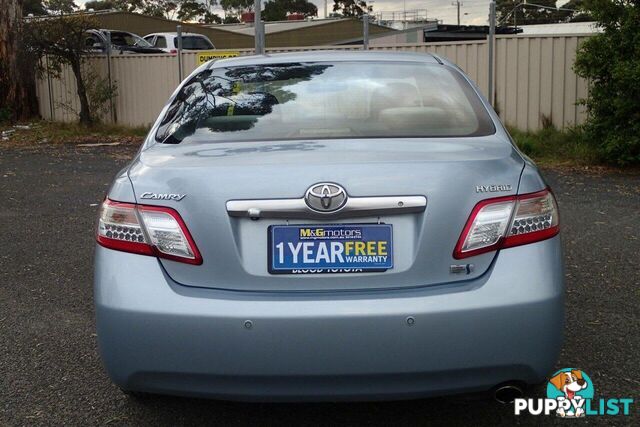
(121, 42)
(168, 42)
(329, 225)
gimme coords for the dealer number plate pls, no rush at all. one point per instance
(340, 248)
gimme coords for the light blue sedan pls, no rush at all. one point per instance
(328, 226)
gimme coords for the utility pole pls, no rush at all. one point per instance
(491, 42)
(179, 40)
(365, 30)
(404, 15)
(258, 28)
(325, 9)
(458, 5)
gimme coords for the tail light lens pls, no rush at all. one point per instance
(508, 221)
(146, 230)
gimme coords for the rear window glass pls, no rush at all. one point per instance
(193, 43)
(161, 42)
(324, 100)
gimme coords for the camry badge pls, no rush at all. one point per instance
(162, 196)
(325, 197)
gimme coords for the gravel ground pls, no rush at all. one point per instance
(50, 372)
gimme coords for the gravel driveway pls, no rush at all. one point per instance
(50, 372)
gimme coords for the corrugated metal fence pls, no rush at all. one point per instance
(534, 79)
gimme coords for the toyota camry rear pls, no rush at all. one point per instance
(325, 226)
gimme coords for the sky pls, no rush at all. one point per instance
(443, 10)
(472, 12)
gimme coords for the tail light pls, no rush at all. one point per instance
(146, 230)
(505, 222)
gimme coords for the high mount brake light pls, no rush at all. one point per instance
(146, 230)
(505, 222)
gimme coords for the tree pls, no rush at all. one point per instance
(100, 5)
(580, 14)
(60, 7)
(210, 18)
(63, 39)
(130, 5)
(277, 10)
(184, 10)
(190, 10)
(17, 89)
(236, 7)
(193, 10)
(33, 7)
(161, 8)
(230, 19)
(516, 12)
(351, 7)
(611, 62)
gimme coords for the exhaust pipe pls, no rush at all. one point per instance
(507, 393)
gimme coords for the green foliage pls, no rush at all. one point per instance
(510, 12)
(184, 10)
(33, 7)
(62, 40)
(130, 5)
(190, 10)
(59, 7)
(161, 8)
(73, 133)
(580, 14)
(230, 19)
(351, 7)
(551, 146)
(99, 92)
(100, 5)
(277, 10)
(236, 7)
(611, 62)
(194, 10)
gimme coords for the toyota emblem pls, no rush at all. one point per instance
(326, 197)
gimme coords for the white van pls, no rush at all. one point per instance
(168, 42)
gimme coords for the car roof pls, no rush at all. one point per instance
(329, 56)
(175, 34)
(103, 30)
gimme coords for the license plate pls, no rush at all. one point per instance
(340, 248)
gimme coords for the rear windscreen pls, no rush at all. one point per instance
(324, 100)
(194, 43)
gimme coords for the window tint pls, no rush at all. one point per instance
(120, 38)
(193, 43)
(161, 42)
(324, 100)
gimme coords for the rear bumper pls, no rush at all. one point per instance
(158, 336)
